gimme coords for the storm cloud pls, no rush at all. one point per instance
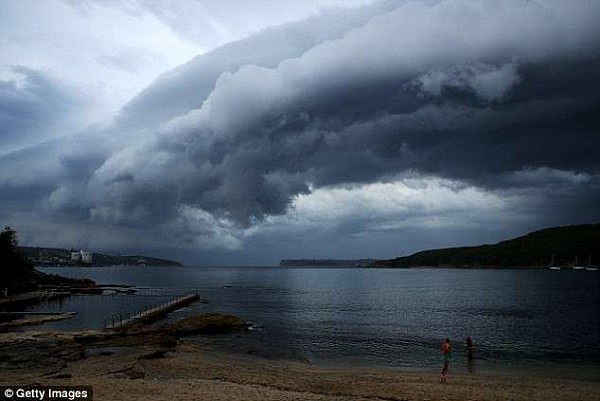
(32, 106)
(490, 107)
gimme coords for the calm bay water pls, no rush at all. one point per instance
(392, 317)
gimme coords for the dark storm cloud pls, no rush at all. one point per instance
(355, 109)
(501, 96)
(31, 107)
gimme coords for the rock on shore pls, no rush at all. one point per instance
(210, 323)
(54, 348)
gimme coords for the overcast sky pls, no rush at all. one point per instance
(238, 132)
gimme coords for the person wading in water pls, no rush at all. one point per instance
(470, 350)
(446, 353)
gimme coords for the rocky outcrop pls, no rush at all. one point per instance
(52, 350)
(210, 323)
(34, 320)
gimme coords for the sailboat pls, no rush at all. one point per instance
(589, 266)
(576, 265)
(552, 265)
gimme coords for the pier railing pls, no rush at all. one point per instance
(147, 292)
(175, 298)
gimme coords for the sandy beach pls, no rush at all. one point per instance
(190, 372)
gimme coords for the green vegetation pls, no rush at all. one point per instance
(18, 275)
(535, 249)
(14, 268)
(40, 256)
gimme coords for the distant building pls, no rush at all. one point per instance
(82, 256)
(86, 256)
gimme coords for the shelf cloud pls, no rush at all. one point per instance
(494, 104)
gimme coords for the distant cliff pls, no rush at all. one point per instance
(535, 249)
(325, 262)
(62, 257)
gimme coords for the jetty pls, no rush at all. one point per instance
(151, 314)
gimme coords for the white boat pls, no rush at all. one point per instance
(576, 265)
(552, 265)
(589, 266)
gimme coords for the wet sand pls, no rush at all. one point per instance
(191, 372)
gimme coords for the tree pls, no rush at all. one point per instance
(18, 275)
(13, 266)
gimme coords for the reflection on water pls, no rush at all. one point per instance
(384, 317)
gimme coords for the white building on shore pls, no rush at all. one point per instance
(86, 256)
(82, 256)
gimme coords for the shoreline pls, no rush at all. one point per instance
(275, 350)
(154, 366)
(171, 361)
(190, 371)
(538, 369)
(226, 344)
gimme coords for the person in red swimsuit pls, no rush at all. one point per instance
(446, 353)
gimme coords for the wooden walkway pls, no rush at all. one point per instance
(151, 314)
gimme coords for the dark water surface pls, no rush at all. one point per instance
(376, 316)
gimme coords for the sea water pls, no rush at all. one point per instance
(357, 316)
